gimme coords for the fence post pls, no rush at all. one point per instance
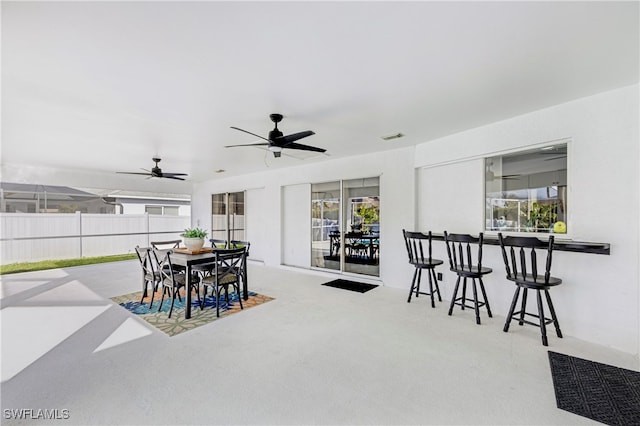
(79, 225)
(147, 230)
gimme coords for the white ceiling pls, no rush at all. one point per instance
(103, 87)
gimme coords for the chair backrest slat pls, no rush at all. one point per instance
(171, 243)
(229, 261)
(218, 244)
(144, 256)
(460, 251)
(414, 244)
(528, 264)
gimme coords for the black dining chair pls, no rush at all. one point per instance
(521, 264)
(227, 271)
(173, 281)
(466, 265)
(168, 245)
(150, 276)
(218, 243)
(420, 257)
(162, 244)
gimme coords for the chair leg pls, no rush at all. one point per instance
(464, 293)
(173, 300)
(476, 308)
(484, 295)
(433, 302)
(144, 292)
(523, 308)
(435, 280)
(204, 296)
(511, 309)
(164, 290)
(455, 294)
(153, 293)
(543, 325)
(239, 296)
(418, 282)
(553, 313)
(413, 283)
(217, 290)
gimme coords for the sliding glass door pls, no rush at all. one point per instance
(228, 216)
(362, 226)
(325, 225)
(345, 226)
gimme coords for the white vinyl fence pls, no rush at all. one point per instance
(32, 237)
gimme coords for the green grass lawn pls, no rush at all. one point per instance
(13, 268)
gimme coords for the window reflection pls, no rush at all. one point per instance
(527, 191)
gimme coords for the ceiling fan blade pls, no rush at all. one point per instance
(248, 144)
(253, 134)
(286, 140)
(303, 147)
(135, 173)
(174, 174)
(164, 176)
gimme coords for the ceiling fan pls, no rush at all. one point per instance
(277, 141)
(157, 172)
(490, 175)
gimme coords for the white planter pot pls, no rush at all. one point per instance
(193, 244)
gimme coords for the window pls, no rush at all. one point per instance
(526, 191)
(163, 210)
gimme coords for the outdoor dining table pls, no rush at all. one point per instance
(189, 260)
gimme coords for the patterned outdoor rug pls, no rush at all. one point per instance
(177, 324)
(601, 392)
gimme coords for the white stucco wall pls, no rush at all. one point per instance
(599, 300)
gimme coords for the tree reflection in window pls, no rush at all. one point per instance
(526, 191)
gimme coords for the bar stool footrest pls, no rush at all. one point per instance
(516, 317)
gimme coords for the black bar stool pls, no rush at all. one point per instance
(461, 262)
(414, 241)
(527, 277)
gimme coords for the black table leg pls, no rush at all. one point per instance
(187, 296)
(245, 289)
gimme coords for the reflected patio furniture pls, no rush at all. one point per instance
(523, 271)
(461, 261)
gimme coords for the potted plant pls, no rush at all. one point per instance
(194, 238)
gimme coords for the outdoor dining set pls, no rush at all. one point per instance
(172, 269)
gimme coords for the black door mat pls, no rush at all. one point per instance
(601, 392)
(351, 285)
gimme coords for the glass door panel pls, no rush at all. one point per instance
(361, 218)
(236, 216)
(325, 225)
(228, 216)
(219, 216)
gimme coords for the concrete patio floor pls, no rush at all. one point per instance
(314, 355)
